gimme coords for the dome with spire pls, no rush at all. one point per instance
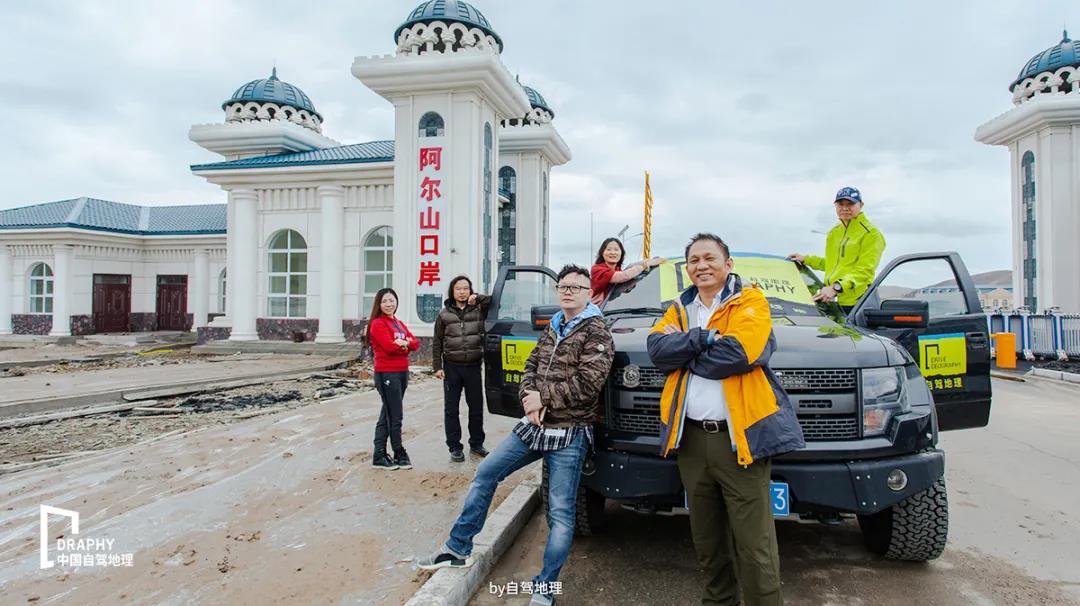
(449, 13)
(1063, 54)
(272, 90)
(536, 100)
(272, 99)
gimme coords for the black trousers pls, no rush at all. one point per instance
(469, 378)
(391, 387)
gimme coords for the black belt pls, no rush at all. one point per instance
(708, 426)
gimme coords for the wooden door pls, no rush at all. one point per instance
(172, 302)
(112, 302)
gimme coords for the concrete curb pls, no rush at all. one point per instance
(1057, 375)
(456, 586)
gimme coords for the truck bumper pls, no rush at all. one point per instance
(857, 486)
(816, 487)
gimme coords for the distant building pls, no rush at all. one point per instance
(312, 228)
(1042, 132)
(994, 288)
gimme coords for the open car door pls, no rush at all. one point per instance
(943, 327)
(522, 304)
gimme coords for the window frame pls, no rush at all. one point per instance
(292, 255)
(387, 273)
(47, 294)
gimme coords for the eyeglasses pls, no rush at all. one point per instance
(570, 289)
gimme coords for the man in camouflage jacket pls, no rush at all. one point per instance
(563, 377)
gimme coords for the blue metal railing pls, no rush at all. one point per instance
(1040, 335)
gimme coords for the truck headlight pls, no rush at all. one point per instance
(883, 396)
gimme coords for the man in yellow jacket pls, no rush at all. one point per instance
(725, 413)
(852, 252)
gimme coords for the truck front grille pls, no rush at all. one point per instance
(819, 428)
(645, 419)
(817, 379)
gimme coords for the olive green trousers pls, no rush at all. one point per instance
(730, 519)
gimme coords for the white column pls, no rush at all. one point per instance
(200, 289)
(331, 263)
(243, 270)
(230, 256)
(6, 288)
(61, 325)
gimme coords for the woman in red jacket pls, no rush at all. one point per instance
(607, 269)
(391, 343)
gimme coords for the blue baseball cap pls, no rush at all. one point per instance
(850, 194)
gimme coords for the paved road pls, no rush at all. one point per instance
(279, 509)
(1014, 536)
(16, 392)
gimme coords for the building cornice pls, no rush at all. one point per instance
(535, 137)
(393, 76)
(67, 235)
(1029, 117)
(245, 139)
(360, 173)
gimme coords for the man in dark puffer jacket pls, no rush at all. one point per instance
(456, 354)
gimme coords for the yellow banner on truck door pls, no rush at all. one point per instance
(943, 355)
(514, 352)
(776, 277)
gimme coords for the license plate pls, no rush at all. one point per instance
(781, 498)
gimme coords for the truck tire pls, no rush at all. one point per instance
(914, 529)
(589, 512)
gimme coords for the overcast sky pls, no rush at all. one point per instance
(749, 115)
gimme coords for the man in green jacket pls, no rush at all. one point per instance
(852, 252)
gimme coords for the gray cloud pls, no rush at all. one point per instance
(748, 115)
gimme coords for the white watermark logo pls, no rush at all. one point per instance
(81, 552)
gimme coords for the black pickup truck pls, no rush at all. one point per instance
(872, 389)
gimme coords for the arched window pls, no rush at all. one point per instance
(431, 125)
(489, 143)
(221, 291)
(378, 264)
(508, 217)
(287, 294)
(41, 289)
(1027, 165)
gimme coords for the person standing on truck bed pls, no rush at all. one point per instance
(723, 409)
(607, 270)
(852, 252)
(457, 350)
(563, 377)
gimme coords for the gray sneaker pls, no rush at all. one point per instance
(541, 600)
(444, 559)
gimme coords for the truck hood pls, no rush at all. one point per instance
(801, 343)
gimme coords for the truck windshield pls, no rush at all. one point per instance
(788, 286)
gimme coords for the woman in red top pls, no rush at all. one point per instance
(607, 269)
(391, 343)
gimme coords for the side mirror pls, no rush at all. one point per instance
(541, 315)
(898, 313)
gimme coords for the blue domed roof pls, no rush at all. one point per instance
(537, 100)
(1067, 52)
(272, 90)
(449, 11)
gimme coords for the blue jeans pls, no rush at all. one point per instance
(564, 474)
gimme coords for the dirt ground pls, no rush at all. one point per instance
(126, 358)
(282, 508)
(109, 430)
